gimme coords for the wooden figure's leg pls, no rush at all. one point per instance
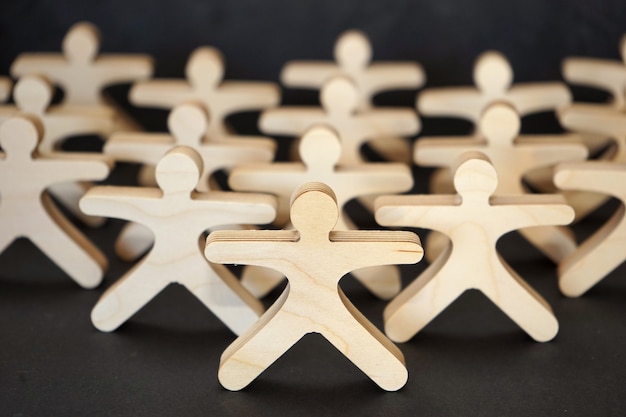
(436, 243)
(259, 281)
(69, 194)
(260, 346)
(367, 347)
(133, 241)
(383, 281)
(584, 202)
(422, 300)
(68, 247)
(127, 296)
(523, 305)
(220, 291)
(146, 176)
(594, 259)
(556, 242)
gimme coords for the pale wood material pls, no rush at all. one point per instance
(512, 156)
(320, 151)
(204, 83)
(313, 257)
(32, 95)
(83, 73)
(474, 219)
(603, 251)
(5, 88)
(605, 74)
(187, 124)
(353, 58)
(26, 210)
(339, 99)
(493, 77)
(178, 216)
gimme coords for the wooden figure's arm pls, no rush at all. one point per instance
(84, 124)
(551, 149)
(444, 151)
(589, 176)
(608, 75)
(382, 76)
(539, 97)
(280, 179)
(462, 102)
(387, 122)
(249, 247)
(290, 120)
(381, 178)
(74, 166)
(531, 210)
(160, 93)
(147, 148)
(307, 74)
(246, 95)
(124, 68)
(118, 202)
(38, 63)
(423, 211)
(591, 119)
(380, 247)
(238, 208)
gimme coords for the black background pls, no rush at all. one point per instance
(471, 360)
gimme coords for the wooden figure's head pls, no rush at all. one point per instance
(339, 95)
(492, 73)
(81, 43)
(179, 171)
(475, 179)
(188, 123)
(314, 211)
(500, 124)
(353, 50)
(33, 94)
(205, 68)
(320, 147)
(20, 136)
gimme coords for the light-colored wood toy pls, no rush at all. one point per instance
(205, 73)
(187, 125)
(353, 58)
(83, 74)
(512, 156)
(32, 95)
(313, 257)
(178, 216)
(605, 74)
(493, 77)
(5, 88)
(339, 99)
(319, 151)
(603, 251)
(603, 122)
(474, 220)
(26, 210)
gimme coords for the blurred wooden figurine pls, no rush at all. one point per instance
(32, 95)
(313, 257)
(205, 83)
(83, 74)
(178, 216)
(474, 220)
(603, 251)
(339, 99)
(512, 156)
(5, 88)
(187, 125)
(320, 150)
(26, 209)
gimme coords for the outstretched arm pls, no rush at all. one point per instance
(126, 203)
(463, 102)
(608, 75)
(163, 94)
(592, 119)
(423, 211)
(392, 122)
(444, 151)
(603, 177)
(290, 120)
(124, 68)
(307, 74)
(514, 212)
(382, 76)
(72, 166)
(539, 97)
(147, 148)
(240, 96)
(38, 63)
(237, 208)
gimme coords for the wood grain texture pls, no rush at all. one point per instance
(26, 210)
(313, 301)
(178, 216)
(473, 220)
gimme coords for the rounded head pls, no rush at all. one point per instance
(205, 67)
(314, 210)
(20, 135)
(500, 123)
(320, 145)
(81, 42)
(475, 177)
(179, 170)
(339, 95)
(492, 72)
(188, 123)
(32, 94)
(353, 50)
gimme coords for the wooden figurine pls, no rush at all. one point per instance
(5, 88)
(187, 125)
(26, 209)
(32, 95)
(178, 216)
(83, 74)
(353, 58)
(320, 151)
(603, 251)
(313, 301)
(474, 220)
(205, 74)
(605, 74)
(339, 99)
(493, 77)
(512, 156)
